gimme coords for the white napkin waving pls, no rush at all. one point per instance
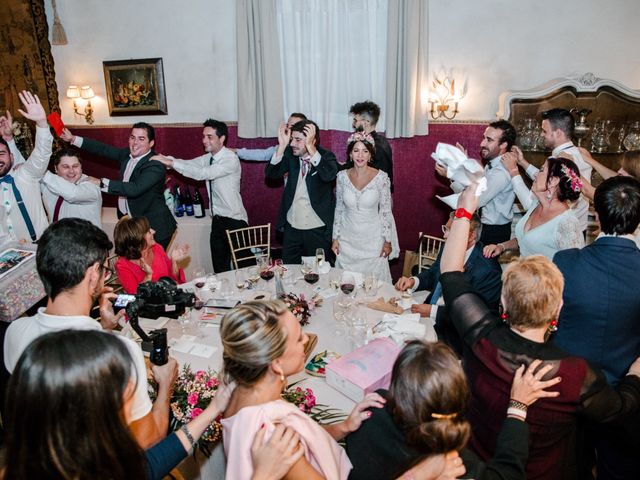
(460, 169)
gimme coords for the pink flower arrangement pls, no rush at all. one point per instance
(305, 400)
(300, 306)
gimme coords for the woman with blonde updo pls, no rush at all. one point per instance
(496, 347)
(263, 344)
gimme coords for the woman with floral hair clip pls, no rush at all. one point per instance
(364, 231)
(550, 223)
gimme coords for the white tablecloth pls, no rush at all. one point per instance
(191, 230)
(321, 323)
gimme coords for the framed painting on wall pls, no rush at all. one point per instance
(135, 87)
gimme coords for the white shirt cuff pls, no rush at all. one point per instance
(434, 312)
(275, 159)
(315, 160)
(77, 141)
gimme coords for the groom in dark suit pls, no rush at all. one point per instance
(600, 318)
(141, 184)
(483, 273)
(308, 204)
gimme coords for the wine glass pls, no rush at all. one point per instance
(305, 267)
(311, 275)
(254, 276)
(340, 306)
(347, 284)
(199, 276)
(225, 288)
(211, 282)
(241, 279)
(320, 258)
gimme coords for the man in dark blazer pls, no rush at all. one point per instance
(308, 203)
(142, 182)
(600, 318)
(483, 273)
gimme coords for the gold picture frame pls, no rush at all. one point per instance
(135, 87)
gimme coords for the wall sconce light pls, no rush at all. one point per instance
(443, 94)
(86, 93)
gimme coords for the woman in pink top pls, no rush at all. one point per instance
(141, 258)
(263, 343)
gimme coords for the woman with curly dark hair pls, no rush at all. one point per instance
(550, 223)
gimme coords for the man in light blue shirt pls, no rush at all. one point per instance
(497, 200)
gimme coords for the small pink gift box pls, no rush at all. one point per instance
(364, 370)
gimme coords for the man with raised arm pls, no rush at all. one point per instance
(22, 216)
(308, 203)
(140, 187)
(220, 169)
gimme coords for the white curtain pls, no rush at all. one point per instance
(259, 83)
(333, 55)
(407, 67)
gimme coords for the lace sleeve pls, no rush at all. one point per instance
(337, 219)
(569, 233)
(384, 208)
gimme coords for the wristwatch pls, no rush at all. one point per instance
(462, 213)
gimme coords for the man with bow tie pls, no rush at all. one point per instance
(308, 203)
(22, 215)
(497, 200)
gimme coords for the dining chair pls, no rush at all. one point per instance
(428, 250)
(245, 243)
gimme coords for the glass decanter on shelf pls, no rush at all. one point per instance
(632, 140)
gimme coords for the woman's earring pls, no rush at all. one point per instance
(549, 196)
(503, 314)
(553, 326)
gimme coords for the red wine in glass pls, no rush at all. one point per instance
(347, 288)
(311, 277)
(267, 274)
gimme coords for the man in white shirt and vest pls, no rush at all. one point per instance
(22, 216)
(308, 203)
(220, 168)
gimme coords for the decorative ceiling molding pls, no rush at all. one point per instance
(580, 83)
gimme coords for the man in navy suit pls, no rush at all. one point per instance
(600, 319)
(308, 203)
(483, 273)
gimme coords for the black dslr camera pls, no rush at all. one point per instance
(157, 299)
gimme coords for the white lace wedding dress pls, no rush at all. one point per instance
(363, 222)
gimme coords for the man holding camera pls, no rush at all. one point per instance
(71, 261)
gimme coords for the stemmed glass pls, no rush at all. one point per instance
(348, 284)
(370, 284)
(320, 258)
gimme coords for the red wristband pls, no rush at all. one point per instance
(462, 213)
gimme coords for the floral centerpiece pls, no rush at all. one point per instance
(193, 391)
(300, 306)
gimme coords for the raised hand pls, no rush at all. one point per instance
(310, 138)
(180, 252)
(462, 149)
(34, 109)
(441, 170)
(468, 198)
(67, 136)
(6, 128)
(510, 162)
(360, 413)
(284, 135)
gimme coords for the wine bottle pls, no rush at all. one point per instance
(188, 201)
(177, 202)
(198, 204)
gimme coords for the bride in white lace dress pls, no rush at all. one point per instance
(364, 231)
(550, 223)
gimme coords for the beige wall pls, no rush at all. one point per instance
(494, 44)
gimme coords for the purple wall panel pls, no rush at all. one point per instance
(416, 184)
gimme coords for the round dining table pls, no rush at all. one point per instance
(194, 339)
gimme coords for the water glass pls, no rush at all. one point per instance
(371, 284)
(185, 320)
(211, 282)
(225, 288)
(241, 279)
(358, 328)
(340, 307)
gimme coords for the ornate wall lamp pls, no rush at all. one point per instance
(444, 95)
(86, 93)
